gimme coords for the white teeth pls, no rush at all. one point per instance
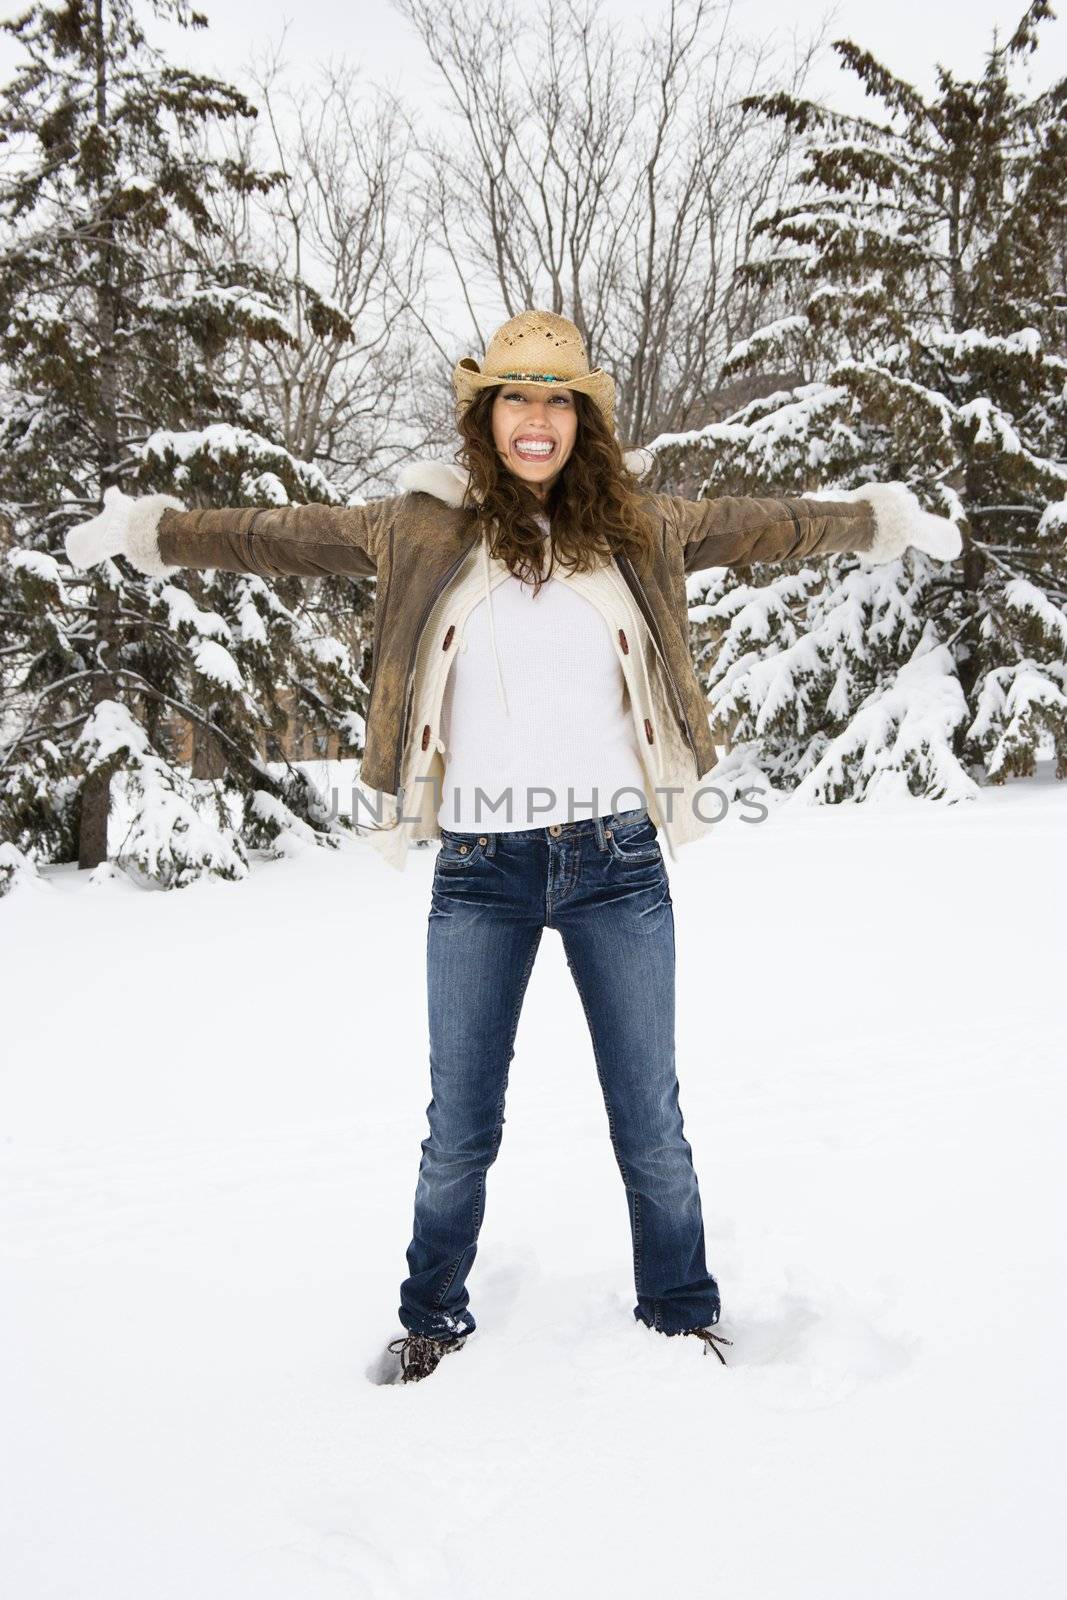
(528, 447)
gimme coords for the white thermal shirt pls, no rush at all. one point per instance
(553, 740)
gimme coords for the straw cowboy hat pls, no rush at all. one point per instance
(541, 349)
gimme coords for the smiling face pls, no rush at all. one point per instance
(534, 430)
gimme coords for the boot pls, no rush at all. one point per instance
(420, 1353)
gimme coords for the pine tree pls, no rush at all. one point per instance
(113, 324)
(921, 262)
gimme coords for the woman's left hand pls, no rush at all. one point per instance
(901, 522)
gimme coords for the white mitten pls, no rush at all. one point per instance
(125, 527)
(638, 461)
(900, 521)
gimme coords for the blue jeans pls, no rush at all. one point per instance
(601, 882)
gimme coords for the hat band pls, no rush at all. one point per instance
(536, 377)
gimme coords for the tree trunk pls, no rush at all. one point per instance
(96, 792)
(209, 759)
(95, 810)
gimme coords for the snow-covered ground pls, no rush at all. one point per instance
(212, 1107)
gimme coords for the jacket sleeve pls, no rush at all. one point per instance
(734, 530)
(307, 540)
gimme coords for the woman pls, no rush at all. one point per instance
(535, 707)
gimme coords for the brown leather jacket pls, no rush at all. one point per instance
(416, 542)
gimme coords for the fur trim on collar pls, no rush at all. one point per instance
(442, 479)
(447, 482)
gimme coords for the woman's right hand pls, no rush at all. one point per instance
(125, 527)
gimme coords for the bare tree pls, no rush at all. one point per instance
(614, 182)
(350, 393)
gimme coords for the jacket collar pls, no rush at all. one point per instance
(448, 482)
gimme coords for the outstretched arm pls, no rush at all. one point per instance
(158, 536)
(879, 521)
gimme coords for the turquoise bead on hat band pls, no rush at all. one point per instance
(535, 377)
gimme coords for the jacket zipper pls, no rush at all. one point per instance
(646, 612)
(430, 603)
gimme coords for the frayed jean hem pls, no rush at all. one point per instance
(442, 1326)
(662, 1322)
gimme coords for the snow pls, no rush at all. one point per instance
(764, 425)
(40, 564)
(330, 652)
(992, 426)
(866, 227)
(17, 870)
(164, 830)
(214, 661)
(293, 833)
(223, 444)
(774, 678)
(773, 333)
(234, 301)
(183, 609)
(264, 488)
(212, 1107)
(1024, 596)
(1013, 699)
(1053, 518)
(902, 736)
(249, 620)
(1024, 342)
(110, 731)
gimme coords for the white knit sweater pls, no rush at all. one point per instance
(536, 721)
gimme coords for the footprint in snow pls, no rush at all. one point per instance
(805, 1351)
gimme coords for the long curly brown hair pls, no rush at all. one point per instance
(593, 505)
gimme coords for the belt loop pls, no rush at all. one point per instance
(598, 828)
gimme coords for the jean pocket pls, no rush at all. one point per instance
(633, 836)
(460, 850)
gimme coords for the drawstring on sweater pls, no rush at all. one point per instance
(501, 696)
(659, 755)
(492, 630)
